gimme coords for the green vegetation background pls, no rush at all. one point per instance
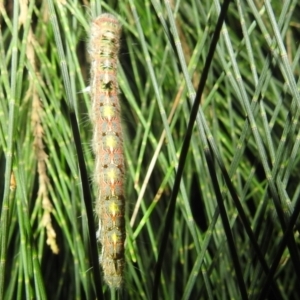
(233, 233)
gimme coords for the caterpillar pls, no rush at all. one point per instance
(108, 145)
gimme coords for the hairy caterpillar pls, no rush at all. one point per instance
(108, 145)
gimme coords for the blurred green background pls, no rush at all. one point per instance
(233, 233)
